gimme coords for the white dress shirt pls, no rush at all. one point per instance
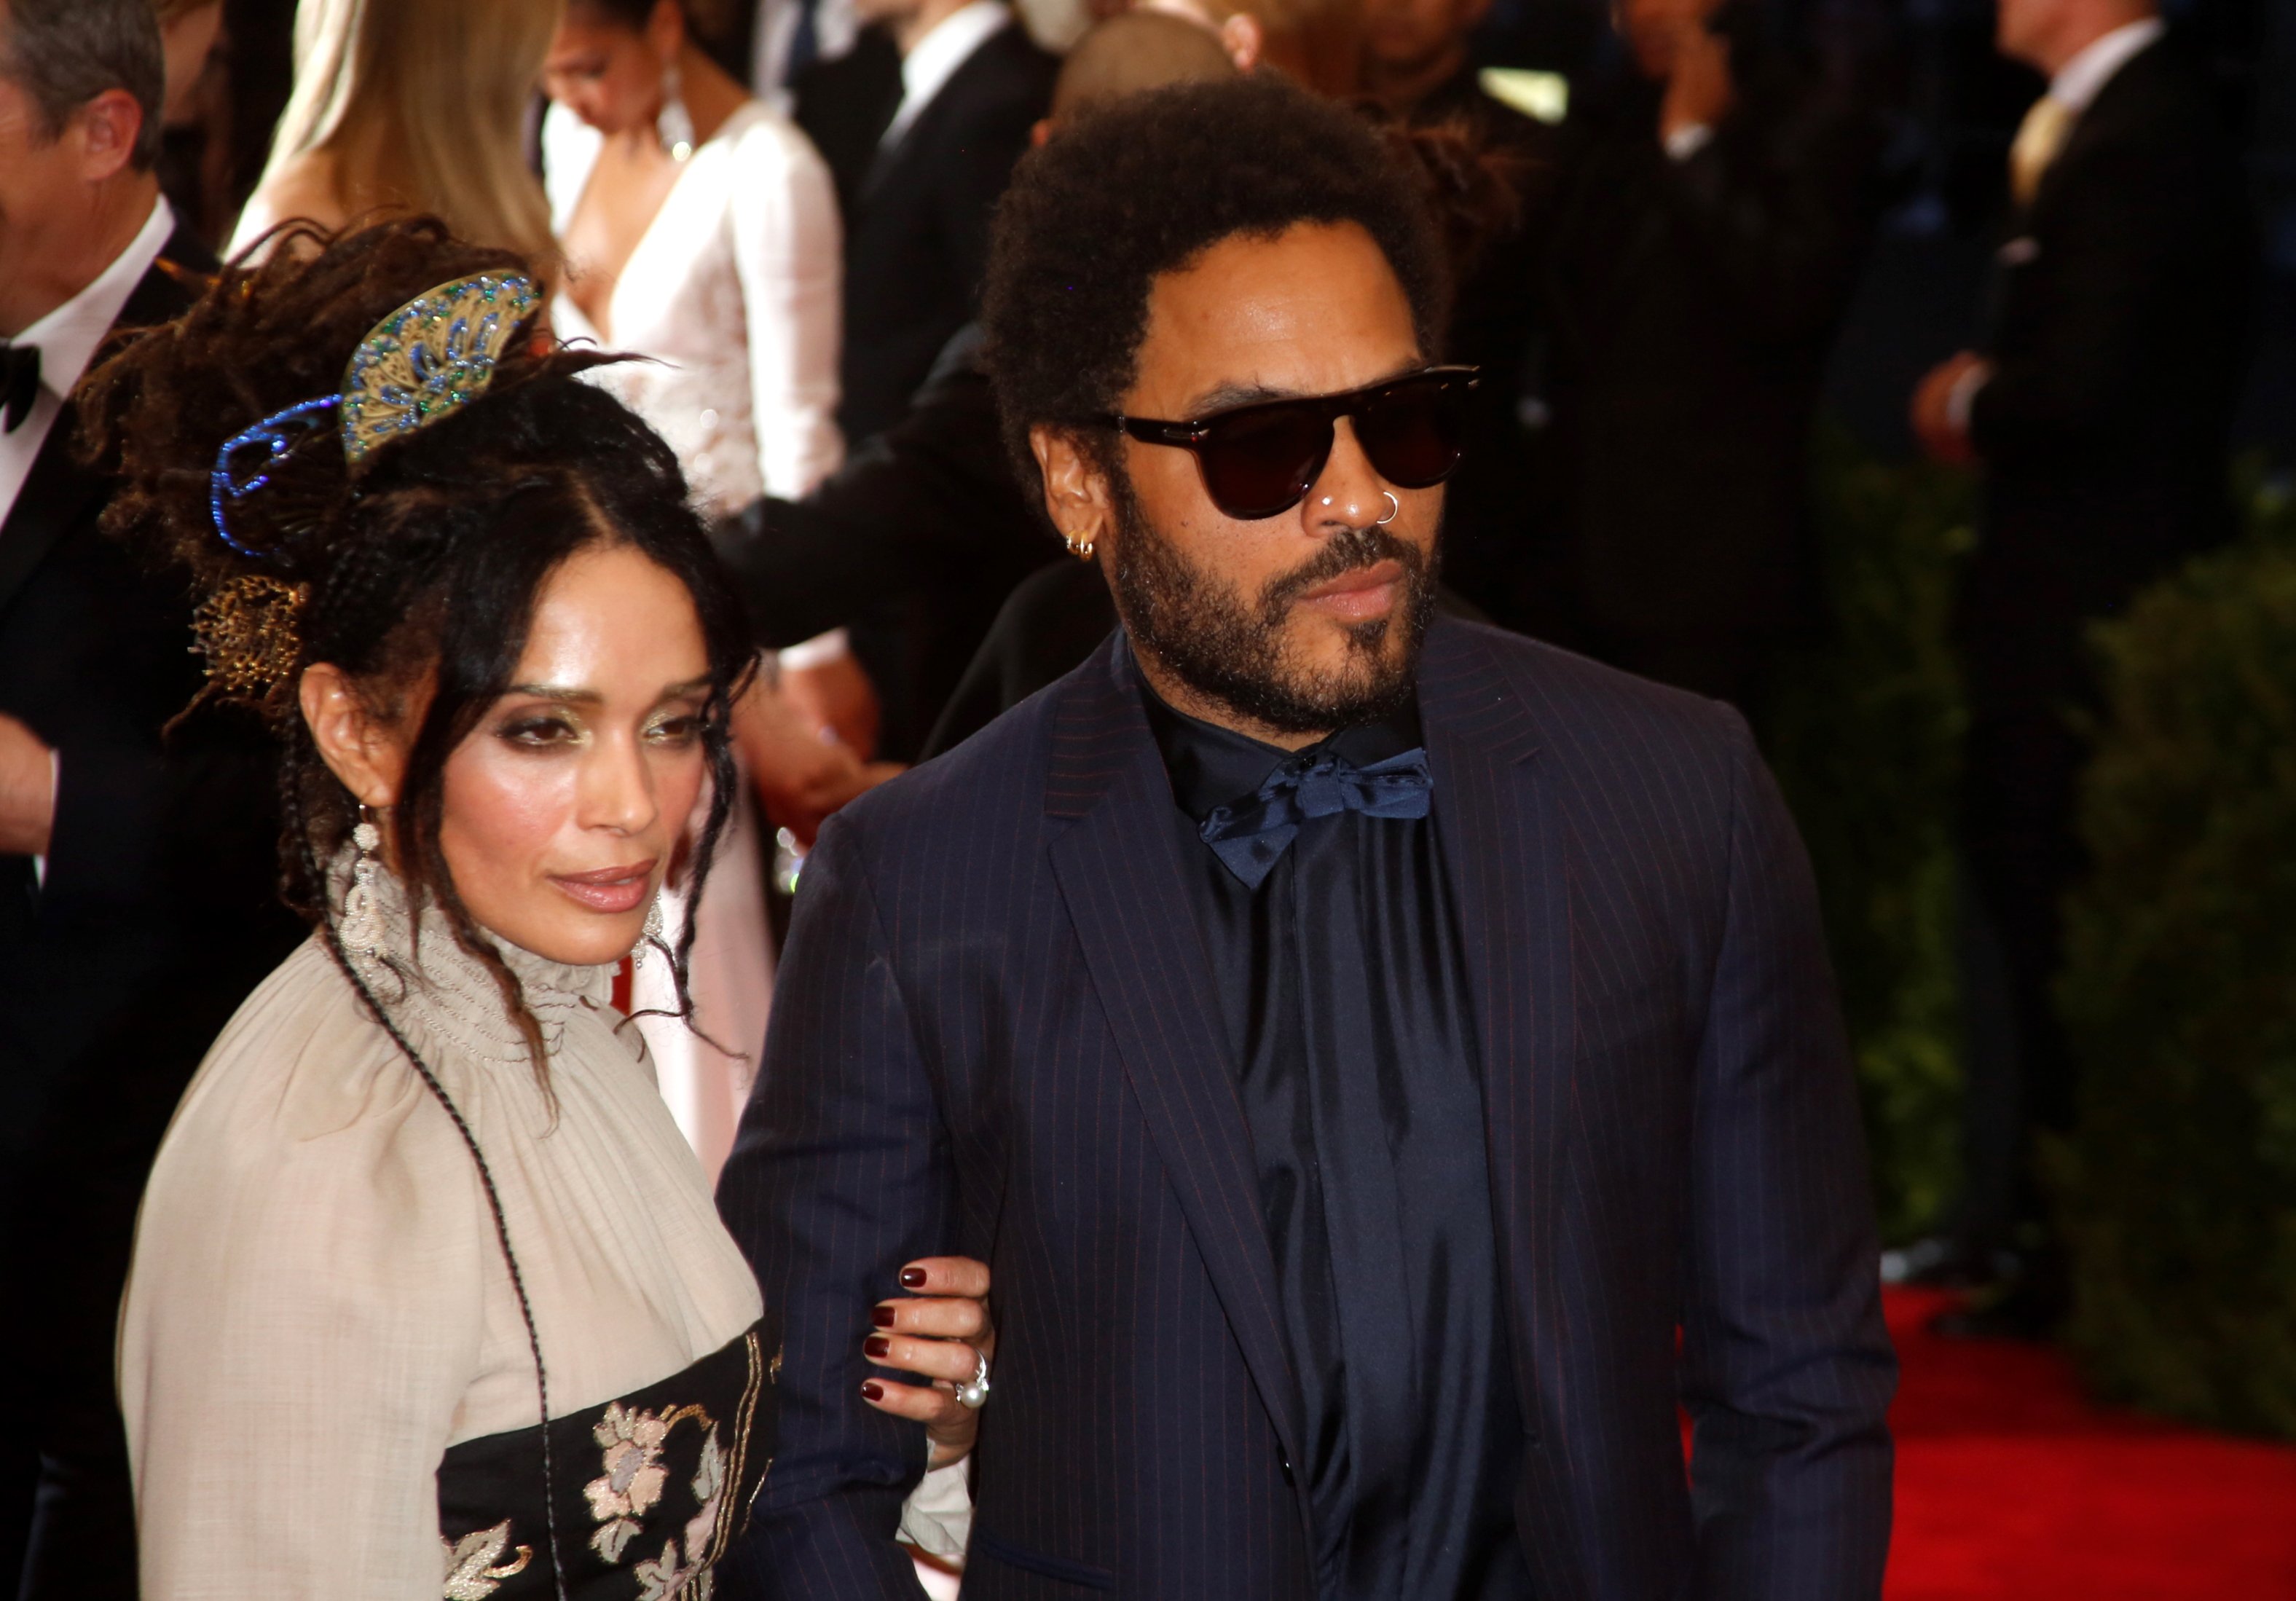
(68, 339)
(933, 60)
(2079, 79)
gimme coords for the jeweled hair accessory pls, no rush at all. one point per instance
(426, 360)
(247, 630)
(429, 358)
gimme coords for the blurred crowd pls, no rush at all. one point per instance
(1659, 221)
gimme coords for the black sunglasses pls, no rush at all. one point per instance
(1260, 460)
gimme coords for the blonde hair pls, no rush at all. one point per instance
(422, 104)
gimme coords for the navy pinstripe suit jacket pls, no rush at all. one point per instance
(995, 1034)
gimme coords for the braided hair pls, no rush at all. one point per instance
(417, 575)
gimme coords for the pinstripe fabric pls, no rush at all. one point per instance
(995, 1034)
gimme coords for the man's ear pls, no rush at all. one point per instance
(107, 126)
(1076, 493)
(357, 746)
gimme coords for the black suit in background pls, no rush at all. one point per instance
(157, 915)
(1488, 525)
(1694, 303)
(844, 103)
(924, 521)
(916, 243)
(916, 211)
(997, 1035)
(2119, 314)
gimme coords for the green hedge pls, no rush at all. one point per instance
(2178, 1189)
(1864, 733)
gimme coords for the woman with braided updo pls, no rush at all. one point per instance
(429, 1296)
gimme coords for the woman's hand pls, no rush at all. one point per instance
(939, 1331)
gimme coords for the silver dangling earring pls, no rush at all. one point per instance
(673, 125)
(361, 930)
(650, 937)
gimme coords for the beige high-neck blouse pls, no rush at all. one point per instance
(319, 1307)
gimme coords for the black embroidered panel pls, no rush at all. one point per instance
(651, 1488)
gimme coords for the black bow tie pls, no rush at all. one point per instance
(20, 383)
(1251, 833)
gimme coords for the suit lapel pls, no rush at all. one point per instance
(1119, 874)
(1502, 851)
(58, 490)
(57, 494)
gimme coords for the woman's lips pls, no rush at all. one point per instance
(610, 890)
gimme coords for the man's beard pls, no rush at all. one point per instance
(1232, 651)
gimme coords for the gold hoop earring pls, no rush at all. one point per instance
(1079, 545)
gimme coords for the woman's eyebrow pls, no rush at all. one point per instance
(557, 692)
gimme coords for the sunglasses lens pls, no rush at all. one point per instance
(1415, 431)
(1260, 461)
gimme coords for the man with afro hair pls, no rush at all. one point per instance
(1388, 1066)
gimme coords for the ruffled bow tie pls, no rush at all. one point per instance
(1251, 835)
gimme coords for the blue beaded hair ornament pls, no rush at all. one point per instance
(425, 361)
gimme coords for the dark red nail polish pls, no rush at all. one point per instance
(882, 1317)
(872, 1390)
(876, 1345)
(913, 1278)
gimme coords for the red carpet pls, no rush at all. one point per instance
(2011, 1487)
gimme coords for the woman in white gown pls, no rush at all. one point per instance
(429, 1296)
(698, 228)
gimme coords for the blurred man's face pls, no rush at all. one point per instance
(2018, 26)
(1310, 620)
(43, 180)
(1407, 35)
(1651, 28)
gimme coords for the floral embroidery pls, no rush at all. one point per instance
(710, 1490)
(471, 1575)
(631, 1440)
(666, 1579)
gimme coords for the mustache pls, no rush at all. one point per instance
(1344, 552)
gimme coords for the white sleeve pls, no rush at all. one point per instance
(302, 1318)
(788, 253)
(938, 1516)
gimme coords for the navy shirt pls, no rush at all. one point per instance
(1345, 994)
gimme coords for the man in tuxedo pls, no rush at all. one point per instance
(920, 123)
(135, 867)
(920, 156)
(1390, 1067)
(930, 508)
(2100, 409)
(1714, 215)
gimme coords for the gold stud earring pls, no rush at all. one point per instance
(1079, 546)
